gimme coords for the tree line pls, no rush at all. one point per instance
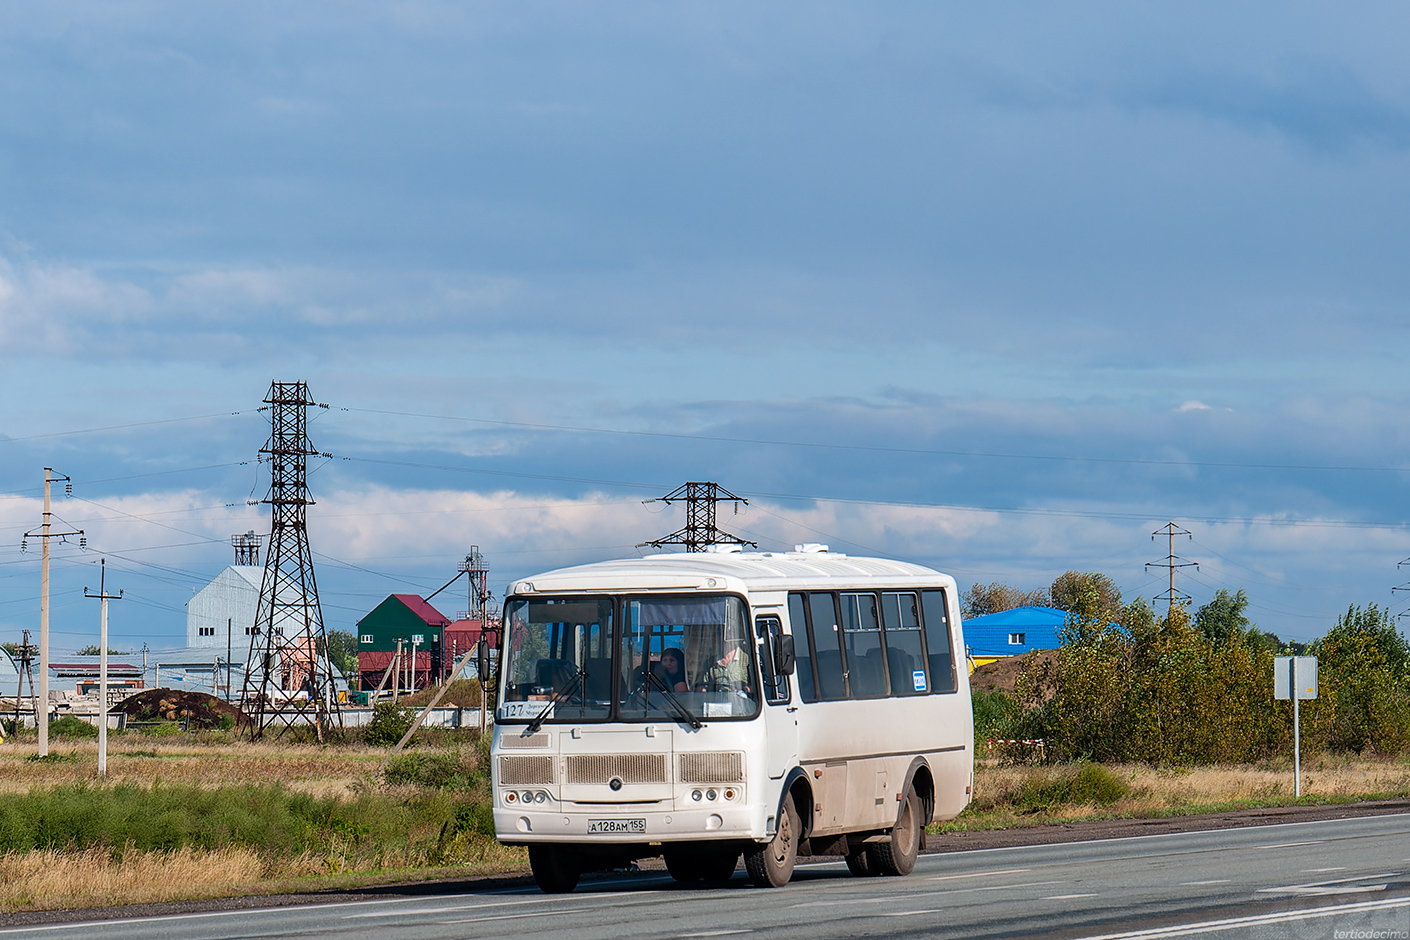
(1130, 684)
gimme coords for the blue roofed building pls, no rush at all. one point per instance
(1013, 632)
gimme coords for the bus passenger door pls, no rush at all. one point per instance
(780, 714)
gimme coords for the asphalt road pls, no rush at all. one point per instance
(1345, 879)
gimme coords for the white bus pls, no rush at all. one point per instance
(707, 705)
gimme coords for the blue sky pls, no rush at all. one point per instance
(999, 289)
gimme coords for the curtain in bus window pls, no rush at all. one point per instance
(866, 666)
(937, 641)
(807, 691)
(827, 641)
(904, 658)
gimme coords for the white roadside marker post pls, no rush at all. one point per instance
(1295, 677)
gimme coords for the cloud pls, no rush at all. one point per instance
(1193, 405)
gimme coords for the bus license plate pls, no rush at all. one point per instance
(616, 825)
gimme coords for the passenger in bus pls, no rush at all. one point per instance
(673, 670)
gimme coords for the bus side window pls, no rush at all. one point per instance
(769, 628)
(901, 620)
(866, 668)
(937, 640)
(807, 688)
(827, 644)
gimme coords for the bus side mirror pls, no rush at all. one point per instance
(482, 660)
(784, 656)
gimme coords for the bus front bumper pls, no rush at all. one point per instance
(624, 824)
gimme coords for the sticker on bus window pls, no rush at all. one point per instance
(918, 678)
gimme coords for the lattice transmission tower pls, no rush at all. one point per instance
(288, 676)
(700, 530)
(1172, 562)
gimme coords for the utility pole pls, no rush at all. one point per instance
(1171, 562)
(289, 617)
(103, 598)
(229, 650)
(46, 533)
(700, 529)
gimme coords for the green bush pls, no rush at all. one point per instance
(71, 727)
(389, 723)
(1087, 783)
(164, 730)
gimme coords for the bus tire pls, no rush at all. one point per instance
(859, 863)
(720, 865)
(897, 855)
(555, 870)
(683, 862)
(770, 864)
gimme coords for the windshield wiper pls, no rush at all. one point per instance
(680, 707)
(558, 696)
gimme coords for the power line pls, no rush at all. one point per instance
(582, 429)
(120, 427)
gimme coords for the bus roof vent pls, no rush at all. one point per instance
(724, 549)
(811, 548)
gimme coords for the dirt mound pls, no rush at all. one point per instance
(203, 711)
(463, 693)
(1002, 675)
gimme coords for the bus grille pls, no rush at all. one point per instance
(711, 767)
(521, 771)
(518, 740)
(630, 768)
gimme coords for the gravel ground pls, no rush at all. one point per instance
(948, 842)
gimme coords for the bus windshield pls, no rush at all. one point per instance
(661, 658)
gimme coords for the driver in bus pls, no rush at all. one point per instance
(730, 673)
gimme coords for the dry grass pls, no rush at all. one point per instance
(50, 880)
(1165, 791)
(306, 768)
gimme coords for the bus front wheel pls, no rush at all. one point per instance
(897, 855)
(555, 870)
(770, 865)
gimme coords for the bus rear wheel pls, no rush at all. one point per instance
(859, 862)
(897, 855)
(770, 865)
(555, 870)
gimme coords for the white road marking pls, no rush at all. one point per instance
(1065, 897)
(1258, 920)
(1288, 845)
(928, 894)
(413, 911)
(981, 874)
(714, 933)
(481, 920)
(1319, 871)
(1334, 886)
(912, 913)
(1216, 881)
